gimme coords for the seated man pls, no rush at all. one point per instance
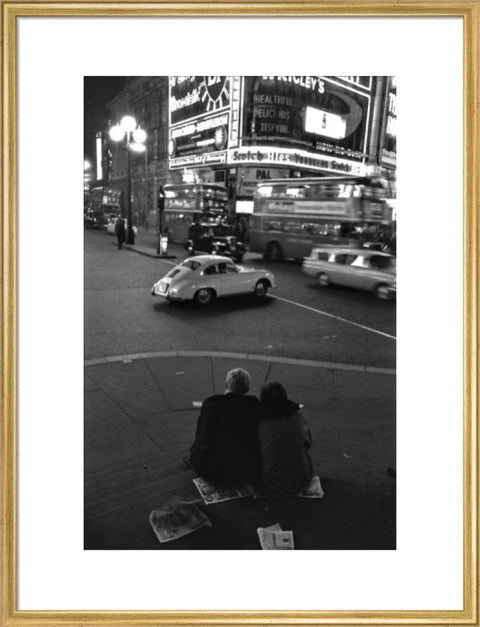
(226, 449)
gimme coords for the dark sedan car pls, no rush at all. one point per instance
(215, 239)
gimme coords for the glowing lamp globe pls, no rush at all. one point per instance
(139, 135)
(136, 147)
(117, 133)
(128, 123)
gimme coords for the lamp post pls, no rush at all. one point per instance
(133, 139)
(161, 209)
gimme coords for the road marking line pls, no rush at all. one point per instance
(329, 315)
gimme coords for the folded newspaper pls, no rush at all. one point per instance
(274, 538)
(217, 494)
(177, 519)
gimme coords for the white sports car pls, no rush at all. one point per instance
(206, 277)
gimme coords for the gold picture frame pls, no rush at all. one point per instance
(469, 12)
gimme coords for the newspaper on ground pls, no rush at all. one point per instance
(273, 538)
(314, 490)
(177, 519)
(211, 493)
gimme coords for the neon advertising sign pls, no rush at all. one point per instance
(318, 114)
(292, 158)
(199, 114)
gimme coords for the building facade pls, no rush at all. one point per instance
(239, 130)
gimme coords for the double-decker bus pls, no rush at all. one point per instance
(103, 205)
(290, 216)
(187, 203)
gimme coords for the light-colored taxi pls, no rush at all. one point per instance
(112, 223)
(206, 277)
(361, 268)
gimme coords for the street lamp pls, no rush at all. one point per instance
(133, 139)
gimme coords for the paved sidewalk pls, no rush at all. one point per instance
(146, 243)
(140, 419)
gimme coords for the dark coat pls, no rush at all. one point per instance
(226, 450)
(284, 440)
(120, 230)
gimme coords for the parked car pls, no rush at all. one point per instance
(360, 268)
(216, 239)
(94, 219)
(112, 223)
(206, 277)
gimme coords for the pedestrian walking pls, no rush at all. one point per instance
(120, 231)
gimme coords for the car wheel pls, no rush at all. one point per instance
(204, 296)
(261, 289)
(274, 252)
(382, 291)
(323, 279)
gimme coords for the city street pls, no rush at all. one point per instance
(149, 364)
(298, 320)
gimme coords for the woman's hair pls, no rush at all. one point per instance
(273, 392)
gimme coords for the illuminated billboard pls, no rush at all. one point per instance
(389, 148)
(199, 116)
(322, 115)
(315, 123)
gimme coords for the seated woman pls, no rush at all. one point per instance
(284, 440)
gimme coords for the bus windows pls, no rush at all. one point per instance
(272, 225)
(300, 191)
(345, 190)
(265, 191)
(308, 228)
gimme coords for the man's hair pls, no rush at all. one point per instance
(237, 381)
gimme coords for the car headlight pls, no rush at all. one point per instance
(173, 291)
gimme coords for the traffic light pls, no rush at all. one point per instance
(161, 199)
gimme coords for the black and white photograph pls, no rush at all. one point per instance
(240, 246)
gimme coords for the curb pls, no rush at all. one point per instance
(245, 356)
(146, 253)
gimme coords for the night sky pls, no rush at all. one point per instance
(98, 91)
